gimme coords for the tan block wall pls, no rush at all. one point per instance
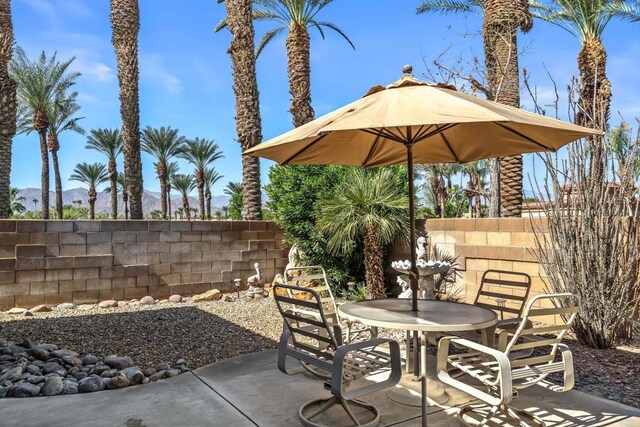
(50, 262)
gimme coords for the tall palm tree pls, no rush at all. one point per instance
(35, 204)
(184, 184)
(41, 83)
(93, 175)
(163, 144)
(587, 20)
(245, 87)
(296, 17)
(16, 201)
(125, 26)
(109, 143)
(371, 205)
(8, 107)
(172, 171)
(62, 118)
(501, 20)
(211, 176)
(236, 202)
(121, 183)
(200, 153)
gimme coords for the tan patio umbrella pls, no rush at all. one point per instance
(410, 122)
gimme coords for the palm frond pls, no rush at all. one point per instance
(334, 28)
(450, 6)
(267, 38)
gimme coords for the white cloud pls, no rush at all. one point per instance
(152, 69)
(95, 70)
(54, 10)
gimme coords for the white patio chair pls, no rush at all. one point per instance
(502, 371)
(315, 277)
(317, 344)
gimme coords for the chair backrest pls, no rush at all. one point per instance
(535, 321)
(312, 277)
(310, 332)
(504, 292)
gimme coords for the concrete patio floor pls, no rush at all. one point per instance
(250, 391)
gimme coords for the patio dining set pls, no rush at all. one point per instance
(489, 350)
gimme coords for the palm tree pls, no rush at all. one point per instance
(35, 204)
(225, 209)
(211, 176)
(8, 107)
(200, 153)
(587, 20)
(236, 202)
(41, 83)
(62, 118)
(185, 184)
(172, 171)
(122, 184)
(125, 26)
(502, 18)
(296, 17)
(109, 143)
(93, 175)
(371, 205)
(163, 144)
(16, 201)
(245, 87)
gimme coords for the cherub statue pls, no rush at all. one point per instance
(406, 289)
(421, 248)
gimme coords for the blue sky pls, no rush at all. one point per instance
(185, 74)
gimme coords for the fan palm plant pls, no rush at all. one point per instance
(41, 83)
(236, 201)
(125, 26)
(370, 205)
(184, 184)
(587, 20)
(172, 170)
(109, 143)
(62, 118)
(93, 175)
(16, 201)
(245, 87)
(296, 17)
(8, 107)
(121, 183)
(200, 153)
(501, 20)
(211, 176)
(163, 144)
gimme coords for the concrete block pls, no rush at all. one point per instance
(43, 238)
(59, 274)
(7, 264)
(86, 273)
(200, 267)
(7, 251)
(240, 245)
(29, 226)
(86, 297)
(201, 226)
(43, 288)
(59, 262)
(191, 256)
(147, 236)
(73, 250)
(181, 267)
(147, 280)
(136, 248)
(200, 246)
(115, 294)
(191, 277)
(211, 276)
(117, 248)
(276, 253)
(181, 247)
(8, 225)
(498, 238)
(169, 279)
(99, 284)
(240, 225)
(221, 225)
(30, 251)
(232, 256)
(99, 237)
(248, 235)
(160, 291)
(254, 255)
(189, 236)
(476, 238)
(14, 289)
(212, 236)
(180, 226)
(112, 271)
(170, 236)
(52, 250)
(57, 226)
(28, 301)
(230, 236)
(30, 264)
(238, 266)
(123, 282)
(89, 225)
(512, 224)
(158, 247)
(266, 244)
(7, 302)
(149, 259)
(99, 249)
(266, 235)
(30, 276)
(90, 261)
(66, 286)
(136, 270)
(112, 225)
(130, 293)
(159, 225)
(136, 225)
(72, 238)
(170, 258)
(59, 298)
(123, 237)
(12, 239)
(258, 225)
(160, 269)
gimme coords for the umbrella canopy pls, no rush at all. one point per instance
(411, 121)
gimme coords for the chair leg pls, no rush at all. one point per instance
(315, 407)
(481, 414)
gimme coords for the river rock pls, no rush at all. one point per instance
(175, 298)
(86, 307)
(16, 310)
(122, 303)
(42, 308)
(133, 374)
(147, 300)
(211, 295)
(158, 376)
(41, 354)
(24, 390)
(72, 360)
(99, 369)
(52, 386)
(149, 371)
(89, 359)
(172, 373)
(37, 379)
(119, 381)
(91, 384)
(163, 366)
(53, 368)
(4, 391)
(118, 362)
(80, 375)
(33, 370)
(64, 352)
(12, 374)
(66, 306)
(108, 303)
(48, 347)
(69, 387)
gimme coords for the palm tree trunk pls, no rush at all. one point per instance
(113, 181)
(185, 208)
(200, 185)
(54, 146)
(125, 200)
(208, 198)
(374, 272)
(500, 31)
(8, 107)
(595, 100)
(299, 67)
(92, 202)
(168, 196)
(125, 24)
(44, 175)
(245, 88)
(162, 177)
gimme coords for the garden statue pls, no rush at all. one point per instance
(406, 289)
(256, 285)
(421, 248)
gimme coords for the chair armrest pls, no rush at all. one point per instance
(512, 321)
(567, 359)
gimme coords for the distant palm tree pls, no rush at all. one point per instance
(184, 184)
(35, 204)
(93, 175)
(125, 26)
(109, 143)
(16, 201)
(225, 209)
(62, 118)
(122, 184)
(370, 205)
(172, 170)
(236, 201)
(200, 153)
(211, 176)
(163, 144)
(8, 107)
(40, 84)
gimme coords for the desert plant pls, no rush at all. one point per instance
(234, 191)
(92, 175)
(184, 184)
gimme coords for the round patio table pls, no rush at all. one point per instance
(432, 316)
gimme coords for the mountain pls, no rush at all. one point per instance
(150, 200)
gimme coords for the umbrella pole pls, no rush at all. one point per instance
(413, 276)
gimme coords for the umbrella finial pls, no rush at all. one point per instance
(407, 69)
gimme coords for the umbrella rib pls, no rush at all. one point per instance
(302, 150)
(422, 131)
(435, 132)
(384, 134)
(521, 135)
(446, 141)
(373, 148)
